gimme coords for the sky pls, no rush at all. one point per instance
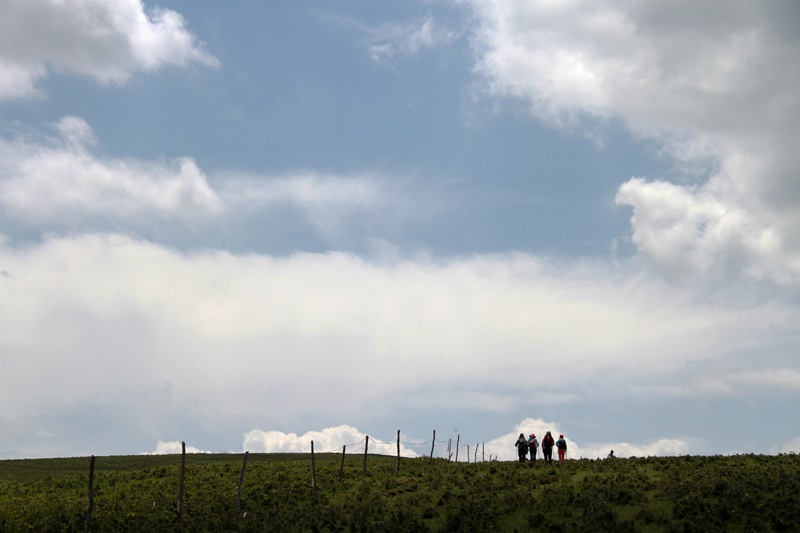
(249, 225)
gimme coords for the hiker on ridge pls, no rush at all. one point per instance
(522, 447)
(547, 448)
(533, 444)
(561, 444)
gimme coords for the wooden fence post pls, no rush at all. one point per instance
(476, 454)
(366, 447)
(341, 468)
(467, 453)
(458, 440)
(483, 452)
(313, 469)
(398, 450)
(91, 494)
(449, 449)
(433, 443)
(239, 490)
(182, 478)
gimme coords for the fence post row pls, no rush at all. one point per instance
(313, 470)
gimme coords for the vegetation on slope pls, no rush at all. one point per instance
(140, 493)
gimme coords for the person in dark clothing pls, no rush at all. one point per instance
(533, 446)
(522, 447)
(561, 444)
(547, 448)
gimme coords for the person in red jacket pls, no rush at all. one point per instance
(547, 448)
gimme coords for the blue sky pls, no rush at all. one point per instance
(245, 225)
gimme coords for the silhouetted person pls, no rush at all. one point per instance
(522, 447)
(561, 444)
(533, 446)
(547, 448)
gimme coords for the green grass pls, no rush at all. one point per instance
(140, 493)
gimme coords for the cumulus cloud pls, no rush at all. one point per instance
(108, 40)
(328, 440)
(62, 179)
(503, 447)
(659, 448)
(711, 84)
(173, 447)
(50, 182)
(695, 232)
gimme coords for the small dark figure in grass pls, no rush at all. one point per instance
(561, 444)
(533, 446)
(547, 448)
(611, 455)
(522, 447)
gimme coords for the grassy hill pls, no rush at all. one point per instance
(140, 493)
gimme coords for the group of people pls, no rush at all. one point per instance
(531, 445)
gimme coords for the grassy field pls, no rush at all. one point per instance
(140, 493)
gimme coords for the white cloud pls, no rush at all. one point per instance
(64, 180)
(173, 447)
(503, 447)
(113, 319)
(691, 232)
(328, 440)
(712, 83)
(659, 448)
(109, 40)
(332, 439)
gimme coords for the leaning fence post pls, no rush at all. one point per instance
(91, 494)
(433, 443)
(366, 447)
(183, 477)
(239, 491)
(476, 454)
